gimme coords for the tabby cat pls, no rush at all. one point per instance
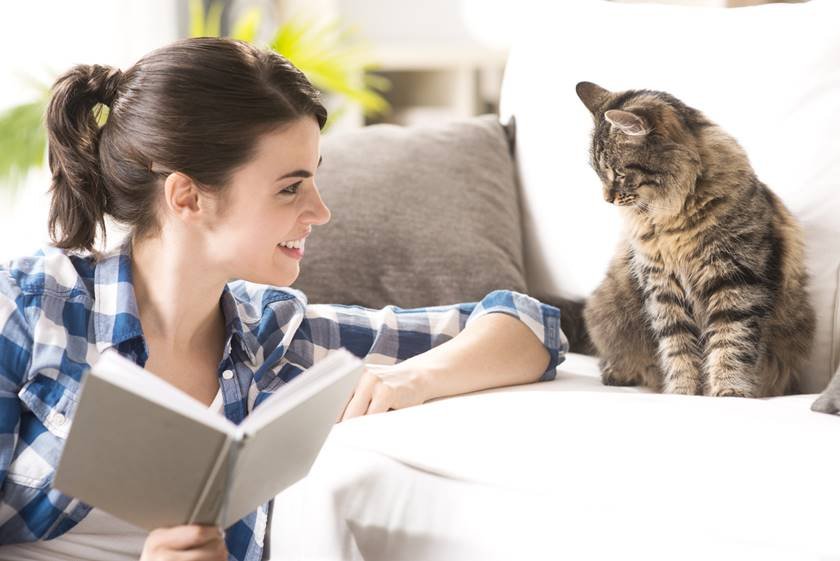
(706, 294)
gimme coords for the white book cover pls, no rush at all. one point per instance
(144, 451)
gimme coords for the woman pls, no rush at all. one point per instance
(209, 155)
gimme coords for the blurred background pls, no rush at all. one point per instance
(375, 61)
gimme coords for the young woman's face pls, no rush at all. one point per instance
(270, 207)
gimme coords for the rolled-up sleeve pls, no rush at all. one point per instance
(543, 321)
(393, 334)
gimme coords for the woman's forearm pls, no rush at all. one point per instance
(492, 351)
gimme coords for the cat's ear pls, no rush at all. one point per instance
(627, 122)
(592, 95)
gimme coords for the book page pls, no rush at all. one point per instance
(280, 448)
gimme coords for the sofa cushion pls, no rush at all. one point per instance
(421, 216)
(767, 74)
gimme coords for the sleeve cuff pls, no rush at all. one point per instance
(543, 321)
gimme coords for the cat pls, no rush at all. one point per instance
(707, 292)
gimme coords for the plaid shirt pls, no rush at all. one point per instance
(59, 311)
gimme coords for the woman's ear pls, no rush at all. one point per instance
(181, 196)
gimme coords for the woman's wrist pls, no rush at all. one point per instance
(449, 370)
(428, 374)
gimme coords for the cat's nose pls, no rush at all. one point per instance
(610, 194)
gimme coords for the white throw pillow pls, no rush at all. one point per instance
(769, 75)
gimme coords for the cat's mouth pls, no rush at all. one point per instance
(624, 199)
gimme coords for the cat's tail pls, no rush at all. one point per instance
(572, 324)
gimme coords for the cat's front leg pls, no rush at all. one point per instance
(616, 322)
(733, 340)
(676, 333)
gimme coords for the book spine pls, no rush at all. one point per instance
(209, 481)
(232, 456)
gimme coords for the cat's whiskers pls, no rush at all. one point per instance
(647, 206)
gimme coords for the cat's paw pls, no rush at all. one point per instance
(728, 392)
(611, 376)
(682, 387)
(731, 388)
(828, 402)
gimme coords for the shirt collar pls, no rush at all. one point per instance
(234, 328)
(117, 318)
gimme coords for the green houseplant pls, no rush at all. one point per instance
(328, 52)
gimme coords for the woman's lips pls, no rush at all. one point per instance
(293, 253)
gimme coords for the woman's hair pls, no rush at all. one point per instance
(197, 106)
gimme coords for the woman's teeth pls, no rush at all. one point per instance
(294, 244)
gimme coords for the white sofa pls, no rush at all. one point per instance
(571, 469)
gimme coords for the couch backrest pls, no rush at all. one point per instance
(769, 75)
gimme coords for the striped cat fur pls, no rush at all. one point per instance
(707, 292)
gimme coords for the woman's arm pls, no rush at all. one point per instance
(494, 350)
(414, 355)
(15, 355)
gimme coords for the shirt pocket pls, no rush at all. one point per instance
(46, 413)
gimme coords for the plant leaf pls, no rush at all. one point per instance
(245, 28)
(23, 141)
(330, 53)
(197, 18)
(334, 59)
(213, 23)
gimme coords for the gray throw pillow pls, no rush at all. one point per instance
(421, 216)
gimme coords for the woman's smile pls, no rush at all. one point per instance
(293, 252)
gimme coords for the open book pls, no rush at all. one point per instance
(150, 454)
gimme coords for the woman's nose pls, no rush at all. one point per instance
(317, 212)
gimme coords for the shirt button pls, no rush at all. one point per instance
(227, 374)
(58, 419)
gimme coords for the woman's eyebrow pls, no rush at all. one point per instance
(300, 172)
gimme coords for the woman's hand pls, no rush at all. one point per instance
(493, 351)
(382, 388)
(185, 543)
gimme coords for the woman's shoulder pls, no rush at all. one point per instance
(49, 271)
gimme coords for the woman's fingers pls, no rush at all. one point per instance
(382, 397)
(379, 404)
(361, 397)
(185, 543)
(383, 388)
(185, 537)
(211, 551)
(344, 408)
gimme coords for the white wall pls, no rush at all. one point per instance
(41, 39)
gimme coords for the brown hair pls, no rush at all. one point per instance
(196, 106)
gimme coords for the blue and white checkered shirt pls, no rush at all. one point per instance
(59, 311)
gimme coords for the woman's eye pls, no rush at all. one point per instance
(291, 189)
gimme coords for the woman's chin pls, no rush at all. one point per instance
(282, 274)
